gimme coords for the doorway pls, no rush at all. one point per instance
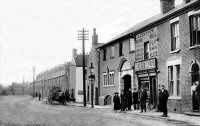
(150, 84)
(127, 82)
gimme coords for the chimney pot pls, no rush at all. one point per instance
(166, 5)
(94, 37)
(74, 52)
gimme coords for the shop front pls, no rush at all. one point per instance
(146, 72)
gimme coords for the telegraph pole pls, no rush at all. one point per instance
(33, 81)
(23, 85)
(83, 35)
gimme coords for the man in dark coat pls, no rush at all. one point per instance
(116, 101)
(129, 98)
(197, 96)
(143, 99)
(123, 101)
(39, 95)
(135, 99)
(163, 98)
(159, 109)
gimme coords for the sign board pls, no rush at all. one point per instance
(145, 65)
(146, 36)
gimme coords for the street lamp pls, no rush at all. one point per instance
(92, 78)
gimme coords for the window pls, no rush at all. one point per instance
(104, 54)
(132, 45)
(195, 30)
(111, 78)
(175, 36)
(170, 80)
(178, 80)
(112, 51)
(120, 49)
(146, 50)
(174, 80)
(105, 79)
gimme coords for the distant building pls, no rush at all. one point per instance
(76, 75)
(52, 77)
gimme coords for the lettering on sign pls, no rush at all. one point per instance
(147, 36)
(145, 65)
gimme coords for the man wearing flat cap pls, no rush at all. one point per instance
(116, 101)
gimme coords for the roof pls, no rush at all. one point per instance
(150, 21)
(79, 60)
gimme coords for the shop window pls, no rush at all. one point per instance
(146, 50)
(104, 54)
(121, 49)
(132, 45)
(112, 55)
(175, 36)
(195, 30)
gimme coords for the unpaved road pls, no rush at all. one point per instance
(24, 110)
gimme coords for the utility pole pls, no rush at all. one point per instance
(33, 81)
(23, 85)
(83, 35)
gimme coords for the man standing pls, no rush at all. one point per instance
(116, 101)
(135, 99)
(129, 96)
(163, 97)
(143, 99)
(197, 96)
(39, 95)
(194, 101)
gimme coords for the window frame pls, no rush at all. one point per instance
(112, 80)
(175, 35)
(176, 90)
(121, 49)
(112, 51)
(131, 50)
(148, 52)
(196, 30)
(104, 54)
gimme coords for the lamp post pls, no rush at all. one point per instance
(92, 78)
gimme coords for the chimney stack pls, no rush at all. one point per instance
(74, 53)
(94, 37)
(186, 1)
(166, 5)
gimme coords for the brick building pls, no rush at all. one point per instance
(93, 58)
(167, 52)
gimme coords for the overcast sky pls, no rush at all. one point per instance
(42, 33)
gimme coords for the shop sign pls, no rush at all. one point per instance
(145, 65)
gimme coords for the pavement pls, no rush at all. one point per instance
(188, 117)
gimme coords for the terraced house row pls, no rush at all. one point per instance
(162, 50)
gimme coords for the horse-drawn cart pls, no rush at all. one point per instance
(56, 94)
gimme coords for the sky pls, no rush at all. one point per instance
(42, 33)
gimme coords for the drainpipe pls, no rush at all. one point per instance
(97, 50)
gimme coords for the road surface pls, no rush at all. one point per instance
(24, 110)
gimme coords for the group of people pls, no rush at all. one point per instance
(126, 99)
(195, 93)
(38, 95)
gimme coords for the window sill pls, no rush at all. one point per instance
(174, 97)
(175, 51)
(112, 57)
(196, 46)
(108, 85)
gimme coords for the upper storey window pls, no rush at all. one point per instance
(195, 30)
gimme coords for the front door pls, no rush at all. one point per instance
(153, 92)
